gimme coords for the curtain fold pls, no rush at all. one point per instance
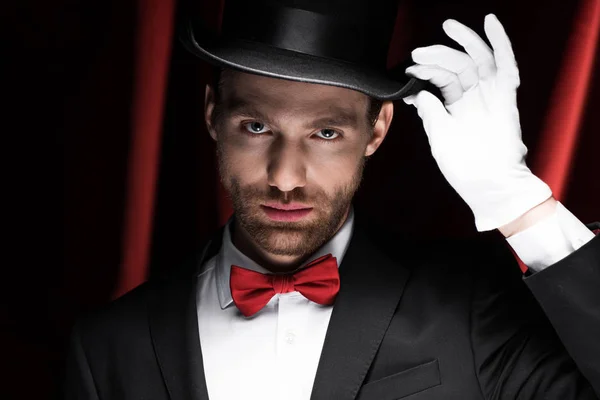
(153, 51)
(555, 153)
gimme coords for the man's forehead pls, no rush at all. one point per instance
(242, 89)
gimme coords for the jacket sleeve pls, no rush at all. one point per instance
(537, 337)
(79, 382)
(569, 294)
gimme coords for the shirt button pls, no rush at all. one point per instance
(290, 338)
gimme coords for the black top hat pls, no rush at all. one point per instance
(334, 42)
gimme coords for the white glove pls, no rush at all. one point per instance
(476, 137)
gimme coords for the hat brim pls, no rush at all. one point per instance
(261, 59)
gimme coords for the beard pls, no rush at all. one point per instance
(299, 238)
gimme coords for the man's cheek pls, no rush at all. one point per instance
(331, 172)
(244, 164)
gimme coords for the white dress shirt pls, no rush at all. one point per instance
(550, 240)
(275, 353)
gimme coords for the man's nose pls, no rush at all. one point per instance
(286, 169)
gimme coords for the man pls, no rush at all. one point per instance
(294, 300)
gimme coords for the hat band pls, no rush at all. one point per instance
(308, 32)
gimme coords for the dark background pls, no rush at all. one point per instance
(69, 95)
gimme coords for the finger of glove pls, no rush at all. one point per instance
(503, 51)
(432, 112)
(448, 82)
(476, 48)
(449, 59)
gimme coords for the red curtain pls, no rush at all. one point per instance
(552, 158)
(153, 52)
(561, 133)
(140, 184)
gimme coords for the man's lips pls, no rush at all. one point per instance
(287, 207)
(286, 212)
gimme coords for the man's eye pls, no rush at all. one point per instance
(328, 134)
(255, 127)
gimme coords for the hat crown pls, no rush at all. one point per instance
(353, 9)
(356, 31)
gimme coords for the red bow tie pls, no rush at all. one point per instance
(319, 281)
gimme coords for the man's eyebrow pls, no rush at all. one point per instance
(237, 106)
(336, 116)
(341, 118)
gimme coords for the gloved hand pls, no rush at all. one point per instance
(475, 137)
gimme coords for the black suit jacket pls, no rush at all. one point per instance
(412, 320)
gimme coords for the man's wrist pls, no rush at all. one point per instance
(530, 218)
(550, 240)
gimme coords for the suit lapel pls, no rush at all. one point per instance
(174, 330)
(371, 287)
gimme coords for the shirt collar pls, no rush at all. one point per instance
(230, 255)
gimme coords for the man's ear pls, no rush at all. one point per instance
(209, 109)
(380, 130)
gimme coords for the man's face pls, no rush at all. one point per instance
(291, 157)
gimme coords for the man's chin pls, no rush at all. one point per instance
(285, 242)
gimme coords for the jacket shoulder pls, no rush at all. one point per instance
(132, 309)
(118, 316)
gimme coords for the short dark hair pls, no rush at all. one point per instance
(374, 109)
(218, 80)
